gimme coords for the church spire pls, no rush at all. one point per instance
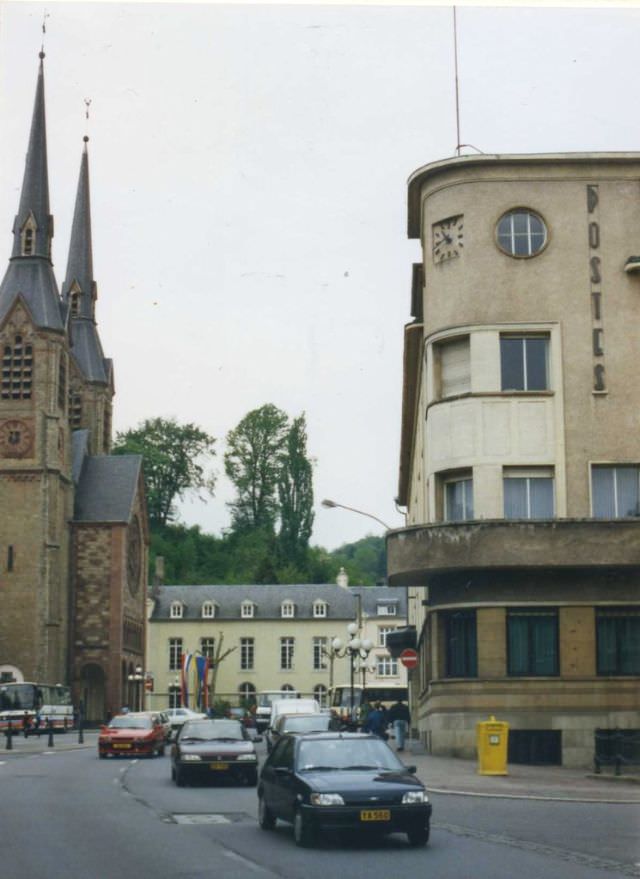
(33, 225)
(78, 290)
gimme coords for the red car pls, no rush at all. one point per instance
(133, 734)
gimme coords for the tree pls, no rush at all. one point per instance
(295, 492)
(253, 462)
(172, 456)
(219, 657)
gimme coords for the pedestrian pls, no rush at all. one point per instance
(37, 723)
(26, 723)
(400, 716)
(375, 721)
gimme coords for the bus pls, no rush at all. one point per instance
(52, 702)
(340, 698)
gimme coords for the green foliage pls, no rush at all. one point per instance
(193, 558)
(253, 462)
(173, 462)
(295, 491)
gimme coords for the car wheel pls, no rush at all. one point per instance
(161, 750)
(302, 833)
(266, 818)
(252, 778)
(180, 779)
(102, 756)
(418, 837)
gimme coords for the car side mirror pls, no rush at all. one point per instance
(411, 769)
(283, 771)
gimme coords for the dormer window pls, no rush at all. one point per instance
(74, 300)
(208, 610)
(387, 610)
(176, 610)
(247, 609)
(28, 237)
(287, 609)
(319, 609)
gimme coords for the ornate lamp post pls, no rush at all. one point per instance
(136, 679)
(355, 648)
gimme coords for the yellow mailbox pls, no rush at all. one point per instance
(492, 738)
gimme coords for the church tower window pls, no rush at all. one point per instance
(75, 410)
(62, 382)
(17, 370)
(75, 303)
(28, 236)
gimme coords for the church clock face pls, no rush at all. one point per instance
(16, 439)
(134, 553)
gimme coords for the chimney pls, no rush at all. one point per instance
(342, 579)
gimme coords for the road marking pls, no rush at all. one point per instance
(201, 819)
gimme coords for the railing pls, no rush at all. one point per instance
(619, 748)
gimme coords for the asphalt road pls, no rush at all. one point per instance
(69, 814)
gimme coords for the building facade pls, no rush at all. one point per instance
(520, 451)
(73, 532)
(270, 637)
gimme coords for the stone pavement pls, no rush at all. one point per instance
(440, 775)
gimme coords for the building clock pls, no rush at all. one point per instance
(16, 439)
(447, 238)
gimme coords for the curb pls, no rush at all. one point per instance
(545, 798)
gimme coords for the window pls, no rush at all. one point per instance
(458, 499)
(208, 610)
(319, 653)
(532, 642)
(208, 647)
(386, 667)
(387, 610)
(521, 233)
(460, 635)
(10, 558)
(247, 692)
(17, 370)
(319, 609)
(75, 410)
(246, 654)
(62, 382)
(453, 365)
(175, 654)
(528, 495)
(287, 688)
(246, 609)
(524, 363)
(287, 609)
(321, 693)
(383, 631)
(175, 611)
(618, 641)
(175, 696)
(615, 492)
(28, 236)
(286, 653)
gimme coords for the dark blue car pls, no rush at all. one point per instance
(341, 782)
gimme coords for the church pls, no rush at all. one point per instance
(73, 524)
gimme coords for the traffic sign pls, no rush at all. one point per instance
(409, 658)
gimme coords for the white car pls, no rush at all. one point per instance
(177, 716)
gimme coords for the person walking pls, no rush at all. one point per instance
(400, 716)
(375, 722)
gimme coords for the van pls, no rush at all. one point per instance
(293, 706)
(264, 700)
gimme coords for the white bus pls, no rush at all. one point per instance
(49, 702)
(340, 698)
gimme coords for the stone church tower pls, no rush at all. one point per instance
(73, 525)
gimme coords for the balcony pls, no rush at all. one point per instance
(416, 553)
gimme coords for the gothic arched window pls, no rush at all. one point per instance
(17, 370)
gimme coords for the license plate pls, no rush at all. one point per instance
(122, 746)
(218, 766)
(375, 815)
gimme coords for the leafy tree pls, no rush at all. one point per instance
(173, 454)
(253, 462)
(295, 492)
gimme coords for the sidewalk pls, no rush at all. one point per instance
(440, 775)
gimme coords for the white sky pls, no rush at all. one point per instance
(248, 174)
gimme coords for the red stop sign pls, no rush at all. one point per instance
(409, 658)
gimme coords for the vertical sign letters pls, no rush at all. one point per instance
(595, 280)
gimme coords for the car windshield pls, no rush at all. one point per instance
(128, 722)
(338, 754)
(207, 730)
(317, 723)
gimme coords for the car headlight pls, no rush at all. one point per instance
(326, 800)
(247, 757)
(190, 758)
(415, 796)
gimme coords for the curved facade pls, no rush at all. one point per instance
(520, 453)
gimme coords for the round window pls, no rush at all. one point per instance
(521, 233)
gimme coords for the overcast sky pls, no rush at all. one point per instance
(248, 173)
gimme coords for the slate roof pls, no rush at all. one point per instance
(107, 488)
(87, 350)
(268, 598)
(79, 451)
(33, 279)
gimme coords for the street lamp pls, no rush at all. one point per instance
(355, 648)
(136, 679)
(332, 504)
